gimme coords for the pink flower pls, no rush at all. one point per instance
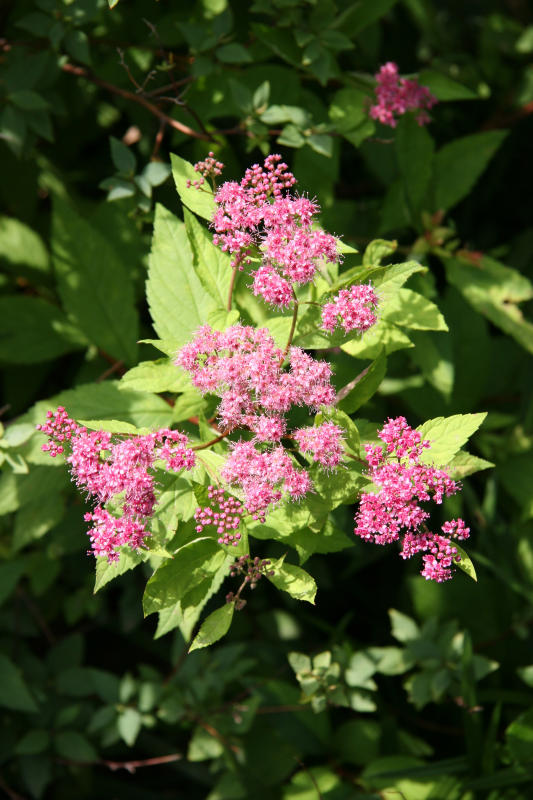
(324, 442)
(403, 483)
(264, 477)
(395, 96)
(226, 519)
(354, 307)
(272, 287)
(108, 468)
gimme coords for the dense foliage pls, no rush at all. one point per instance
(343, 673)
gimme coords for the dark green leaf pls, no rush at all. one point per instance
(214, 627)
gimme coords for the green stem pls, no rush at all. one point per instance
(293, 327)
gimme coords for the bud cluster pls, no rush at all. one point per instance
(226, 520)
(252, 569)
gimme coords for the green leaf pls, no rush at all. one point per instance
(361, 15)
(192, 563)
(33, 742)
(94, 284)
(414, 152)
(465, 564)
(464, 464)
(494, 291)
(211, 264)
(233, 53)
(77, 45)
(348, 109)
(291, 136)
(433, 354)
(359, 391)
(519, 736)
(28, 100)
(75, 747)
(156, 172)
(113, 426)
(277, 115)
(377, 250)
(10, 574)
(214, 627)
(129, 724)
(107, 571)
(381, 338)
(459, 164)
(113, 3)
(515, 475)
(122, 156)
(198, 200)
(445, 88)
(156, 376)
(33, 330)
(21, 246)
(178, 302)
(393, 277)
(412, 310)
(14, 693)
(321, 143)
(447, 435)
(293, 580)
(403, 628)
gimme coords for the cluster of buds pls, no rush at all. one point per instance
(252, 569)
(209, 168)
(226, 520)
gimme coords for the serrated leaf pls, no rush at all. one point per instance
(94, 284)
(412, 310)
(494, 291)
(107, 571)
(293, 580)
(459, 164)
(198, 200)
(212, 265)
(156, 376)
(464, 464)
(193, 563)
(178, 302)
(445, 88)
(465, 564)
(214, 627)
(447, 435)
(377, 250)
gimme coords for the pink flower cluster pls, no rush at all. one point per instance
(209, 168)
(255, 212)
(245, 368)
(226, 519)
(112, 468)
(395, 96)
(404, 482)
(323, 441)
(264, 477)
(354, 307)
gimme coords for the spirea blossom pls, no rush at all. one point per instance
(264, 477)
(354, 308)
(395, 510)
(113, 468)
(324, 442)
(257, 213)
(395, 96)
(244, 367)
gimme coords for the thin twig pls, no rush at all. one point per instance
(129, 766)
(118, 366)
(213, 441)
(81, 72)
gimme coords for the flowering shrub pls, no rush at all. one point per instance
(271, 233)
